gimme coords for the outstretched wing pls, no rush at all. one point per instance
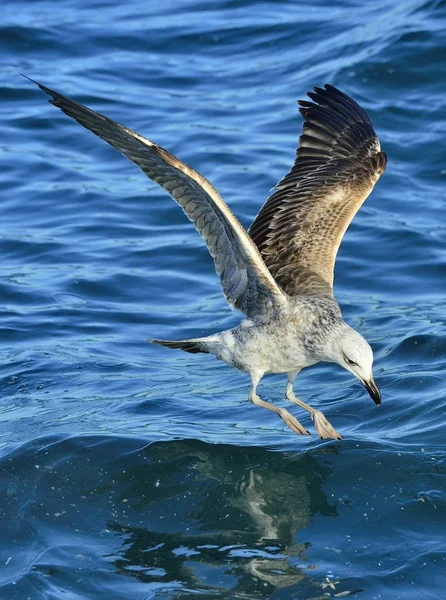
(300, 227)
(247, 284)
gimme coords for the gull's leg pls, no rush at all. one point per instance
(288, 418)
(324, 428)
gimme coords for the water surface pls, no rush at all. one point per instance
(132, 472)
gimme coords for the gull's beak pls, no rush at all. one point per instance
(373, 390)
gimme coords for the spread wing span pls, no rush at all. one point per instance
(300, 227)
(247, 284)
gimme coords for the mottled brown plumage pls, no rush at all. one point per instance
(300, 227)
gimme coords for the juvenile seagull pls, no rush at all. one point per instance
(280, 272)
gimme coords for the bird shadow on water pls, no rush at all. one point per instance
(229, 520)
(167, 519)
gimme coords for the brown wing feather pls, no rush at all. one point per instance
(246, 282)
(300, 227)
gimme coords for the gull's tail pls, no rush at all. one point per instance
(193, 346)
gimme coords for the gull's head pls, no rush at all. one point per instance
(352, 352)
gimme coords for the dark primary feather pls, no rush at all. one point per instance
(246, 282)
(300, 227)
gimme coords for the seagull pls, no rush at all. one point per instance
(279, 273)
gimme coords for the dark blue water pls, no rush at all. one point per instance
(132, 472)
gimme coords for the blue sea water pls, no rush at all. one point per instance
(128, 471)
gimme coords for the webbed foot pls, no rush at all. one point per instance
(324, 428)
(293, 423)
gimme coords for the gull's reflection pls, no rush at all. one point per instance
(221, 519)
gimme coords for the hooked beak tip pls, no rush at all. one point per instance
(373, 390)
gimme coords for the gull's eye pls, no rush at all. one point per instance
(350, 362)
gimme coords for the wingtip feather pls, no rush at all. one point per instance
(44, 88)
